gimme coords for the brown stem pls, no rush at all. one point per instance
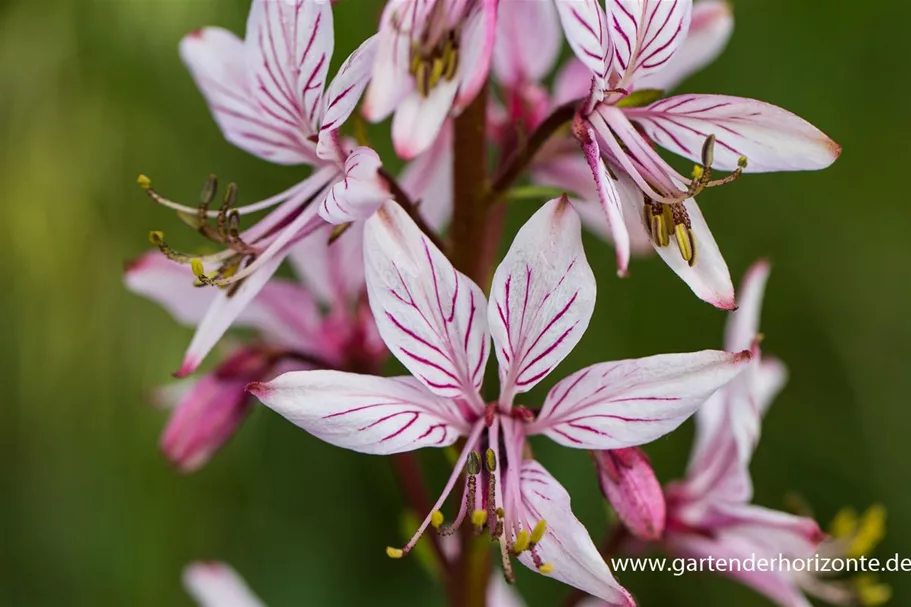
(609, 547)
(523, 155)
(410, 479)
(409, 205)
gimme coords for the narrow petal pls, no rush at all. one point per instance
(542, 298)
(770, 138)
(364, 413)
(646, 35)
(629, 483)
(349, 83)
(418, 119)
(770, 377)
(391, 81)
(289, 47)
(218, 585)
(566, 544)
(710, 29)
(216, 59)
(359, 193)
(586, 28)
(333, 273)
(742, 327)
(476, 49)
(170, 285)
(528, 42)
(428, 180)
(430, 315)
(632, 402)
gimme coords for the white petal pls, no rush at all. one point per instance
(742, 327)
(218, 585)
(771, 138)
(541, 299)
(586, 27)
(392, 81)
(632, 402)
(430, 316)
(334, 273)
(501, 594)
(770, 377)
(216, 59)
(528, 41)
(428, 180)
(476, 48)
(359, 193)
(349, 83)
(646, 34)
(418, 119)
(566, 544)
(710, 29)
(364, 413)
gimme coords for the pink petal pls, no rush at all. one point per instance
(430, 316)
(216, 59)
(349, 83)
(476, 48)
(742, 327)
(392, 81)
(771, 139)
(629, 483)
(364, 413)
(501, 594)
(632, 402)
(770, 377)
(586, 27)
(541, 299)
(218, 585)
(646, 34)
(710, 29)
(528, 42)
(428, 180)
(573, 81)
(333, 273)
(359, 193)
(170, 285)
(418, 120)
(566, 544)
(289, 47)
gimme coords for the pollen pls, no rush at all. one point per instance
(144, 182)
(521, 543)
(394, 553)
(698, 172)
(546, 568)
(479, 518)
(436, 519)
(538, 532)
(198, 270)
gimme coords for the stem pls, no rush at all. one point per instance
(410, 478)
(609, 547)
(409, 205)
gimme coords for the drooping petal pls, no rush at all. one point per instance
(418, 119)
(629, 483)
(742, 327)
(364, 413)
(218, 585)
(217, 61)
(710, 29)
(349, 83)
(430, 315)
(333, 273)
(770, 377)
(541, 299)
(566, 544)
(359, 193)
(586, 27)
(632, 402)
(646, 34)
(528, 42)
(769, 137)
(428, 180)
(289, 47)
(476, 49)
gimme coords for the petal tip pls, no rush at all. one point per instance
(186, 368)
(257, 389)
(743, 356)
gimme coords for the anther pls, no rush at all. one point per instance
(198, 270)
(683, 233)
(491, 460)
(209, 189)
(657, 222)
(394, 553)
(708, 151)
(537, 534)
(479, 519)
(546, 568)
(144, 182)
(521, 543)
(474, 463)
(436, 519)
(337, 232)
(741, 165)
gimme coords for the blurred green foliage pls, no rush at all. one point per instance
(93, 93)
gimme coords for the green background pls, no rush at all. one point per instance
(93, 93)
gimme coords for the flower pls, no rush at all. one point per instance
(432, 59)
(294, 334)
(709, 513)
(438, 324)
(639, 44)
(629, 483)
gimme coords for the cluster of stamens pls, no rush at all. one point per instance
(429, 67)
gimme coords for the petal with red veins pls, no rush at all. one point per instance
(476, 51)
(349, 83)
(710, 29)
(418, 120)
(646, 34)
(769, 137)
(359, 193)
(218, 585)
(391, 82)
(632, 402)
(542, 298)
(629, 483)
(566, 545)
(586, 27)
(528, 42)
(364, 413)
(216, 59)
(289, 47)
(431, 316)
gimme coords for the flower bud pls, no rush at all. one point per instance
(629, 483)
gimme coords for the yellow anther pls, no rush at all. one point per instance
(844, 524)
(538, 532)
(436, 519)
(742, 162)
(198, 270)
(870, 593)
(698, 172)
(870, 531)
(521, 543)
(450, 60)
(144, 182)
(422, 78)
(394, 553)
(156, 238)
(436, 71)
(479, 518)
(500, 513)
(491, 460)
(474, 463)
(686, 243)
(546, 568)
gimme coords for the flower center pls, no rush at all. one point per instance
(430, 65)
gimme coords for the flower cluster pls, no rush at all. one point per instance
(403, 264)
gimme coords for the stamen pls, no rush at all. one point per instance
(546, 568)
(394, 553)
(658, 220)
(521, 543)
(156, 237)
(683, 233)
(436, 519)
(479, 519)
(741, 165)
(537, 533)
(507, 563)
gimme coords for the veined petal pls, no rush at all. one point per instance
(218, 585)
(349, 83)
(566, 544)
(528, 42)
(364, 413)
(391, 83)
(542, 298)
(769, 137)
(742, 327)
(430, 315)
(216, 59)
(710, 29)
(333, 273)
(477, 44)
(428, 180)
(629, 483)
(586, 27)
(632, 402)
(646, 35)
(418, 119)
(778, 532)
(359, 193)
(289, 47)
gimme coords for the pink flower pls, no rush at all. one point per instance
(433, 57)
(438, 324)
(639, 44)
(629, 483)
(294, 334)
